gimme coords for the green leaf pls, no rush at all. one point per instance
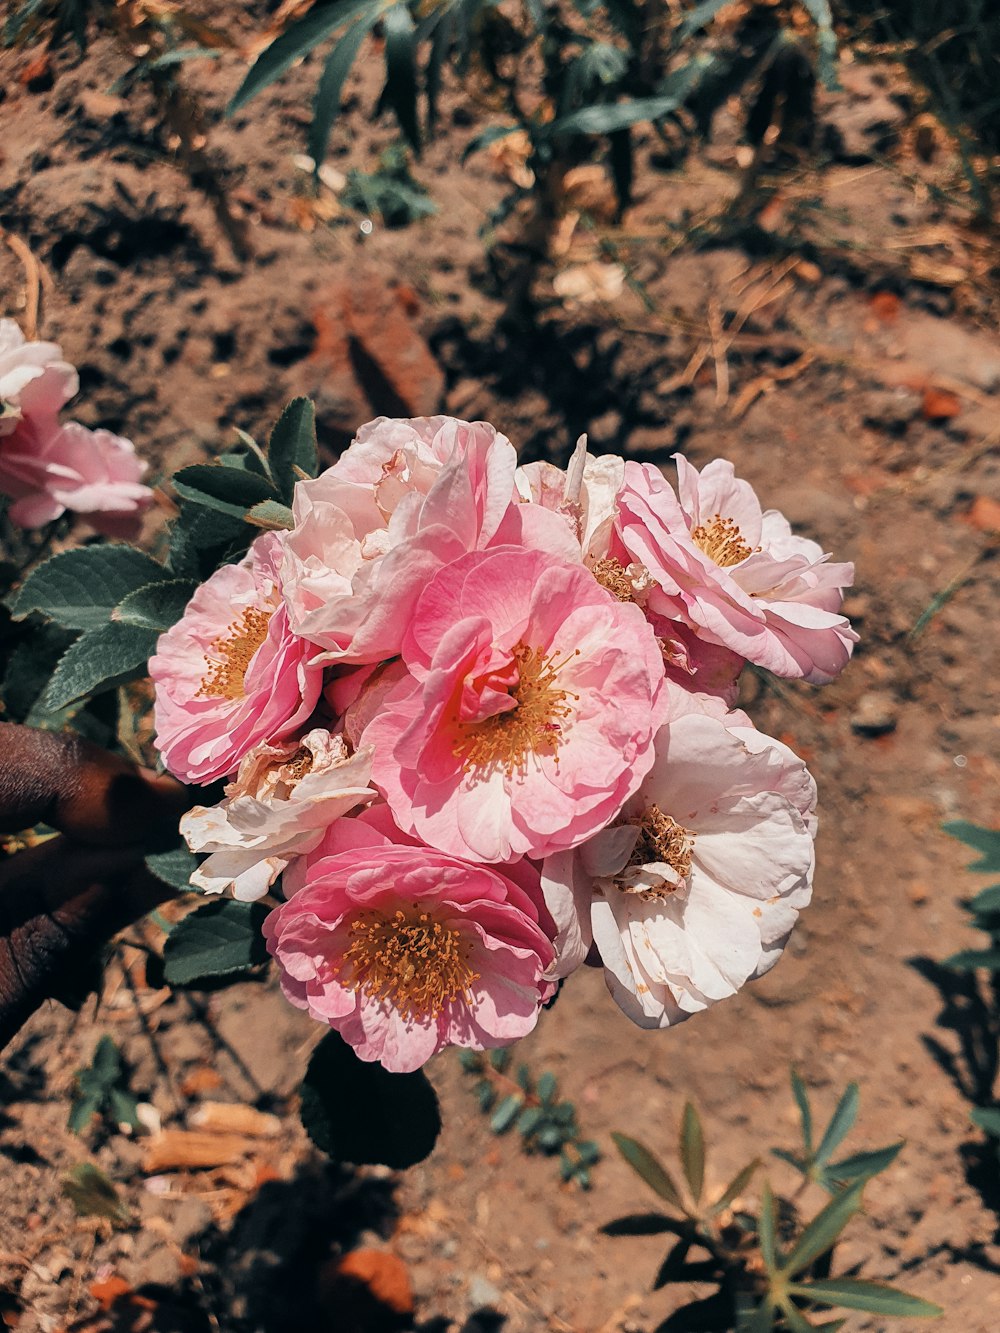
(767, 1229)
(793, 1318)
(529, 1120)
(506, 1113)
(735, 1187)
(401, 71)
(271, 516)
(291, 450)
(174, 868)
(805, 1112)
(157, 606)
(297, 40)
(122, 1108)
(841, 1123)
(984, 840)
(861, 1165)
(821, 1233)
(220, 939)
(329, 90)
(987, 901)
(546, 1088)
(969, 960)
(607, 119)
(99, 660)
(92, 1194)
(79, 589)
(799, 1163)
(987, 1118)
(226, 490)
(759, 1320)
(650, 1168)
(693, 1151)
(358, 1112)
(82, 1110)
(700, 17)
(857, 1294)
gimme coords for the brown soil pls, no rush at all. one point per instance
(862, 399)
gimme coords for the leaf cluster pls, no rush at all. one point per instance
(531, 1107)
(101, 1089)
(984, 909)
(771, 1267)
(605, 67)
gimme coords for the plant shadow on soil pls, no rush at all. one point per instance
(275, 1266)
(971, 1010)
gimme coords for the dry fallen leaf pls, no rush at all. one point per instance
(108, 1290)
(581, 284)
(939, 405)
(186, 1149)
(383, 1273)
(232, 1118)
(984, 514)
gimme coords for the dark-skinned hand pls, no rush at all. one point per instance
(62, 900)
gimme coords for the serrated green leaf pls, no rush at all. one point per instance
(767, 1228)
(93, 1194)
(692, 1150)
(221, 938)
(735, 1187)
(841, 1123)
(822, 1232)
(356, 1111)
(984, 840)
(987, 1118)
(649, 1167)
(174, 867)
(401, 71)
(292, 450)
(801, 1096)
(296, 41)
(99, 660)
(858, 1294)
(506, 1113)
(225, 490)
(79, 589)
(862, 1164)
(157, 606)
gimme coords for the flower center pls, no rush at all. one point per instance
(661, 840)
(298, 764)
(231, 654)
(414, 963)
(722, 541)
(534, 726)
(627, 583)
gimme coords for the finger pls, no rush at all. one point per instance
(60, 779)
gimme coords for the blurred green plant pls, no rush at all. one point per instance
(101, 1089)
(531, 1107)
(985, 911)
(389, 192)
(771, 1265)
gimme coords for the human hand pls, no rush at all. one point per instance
(60, 901)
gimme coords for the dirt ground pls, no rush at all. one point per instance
(843, 354)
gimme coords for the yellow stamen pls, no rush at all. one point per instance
(722, 541)
(414, 963)
(611, 574)
(534, 726)
(231, 654)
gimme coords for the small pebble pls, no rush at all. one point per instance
(875, 715)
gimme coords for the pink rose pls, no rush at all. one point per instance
(231, 674)
(280, 805)
(527, 713)
(35, 382)
(404, 950)
(370, 532)
(694, 889)
(738, 577)
(92, 472)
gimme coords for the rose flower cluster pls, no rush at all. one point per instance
(480, 719)
(48, 466)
